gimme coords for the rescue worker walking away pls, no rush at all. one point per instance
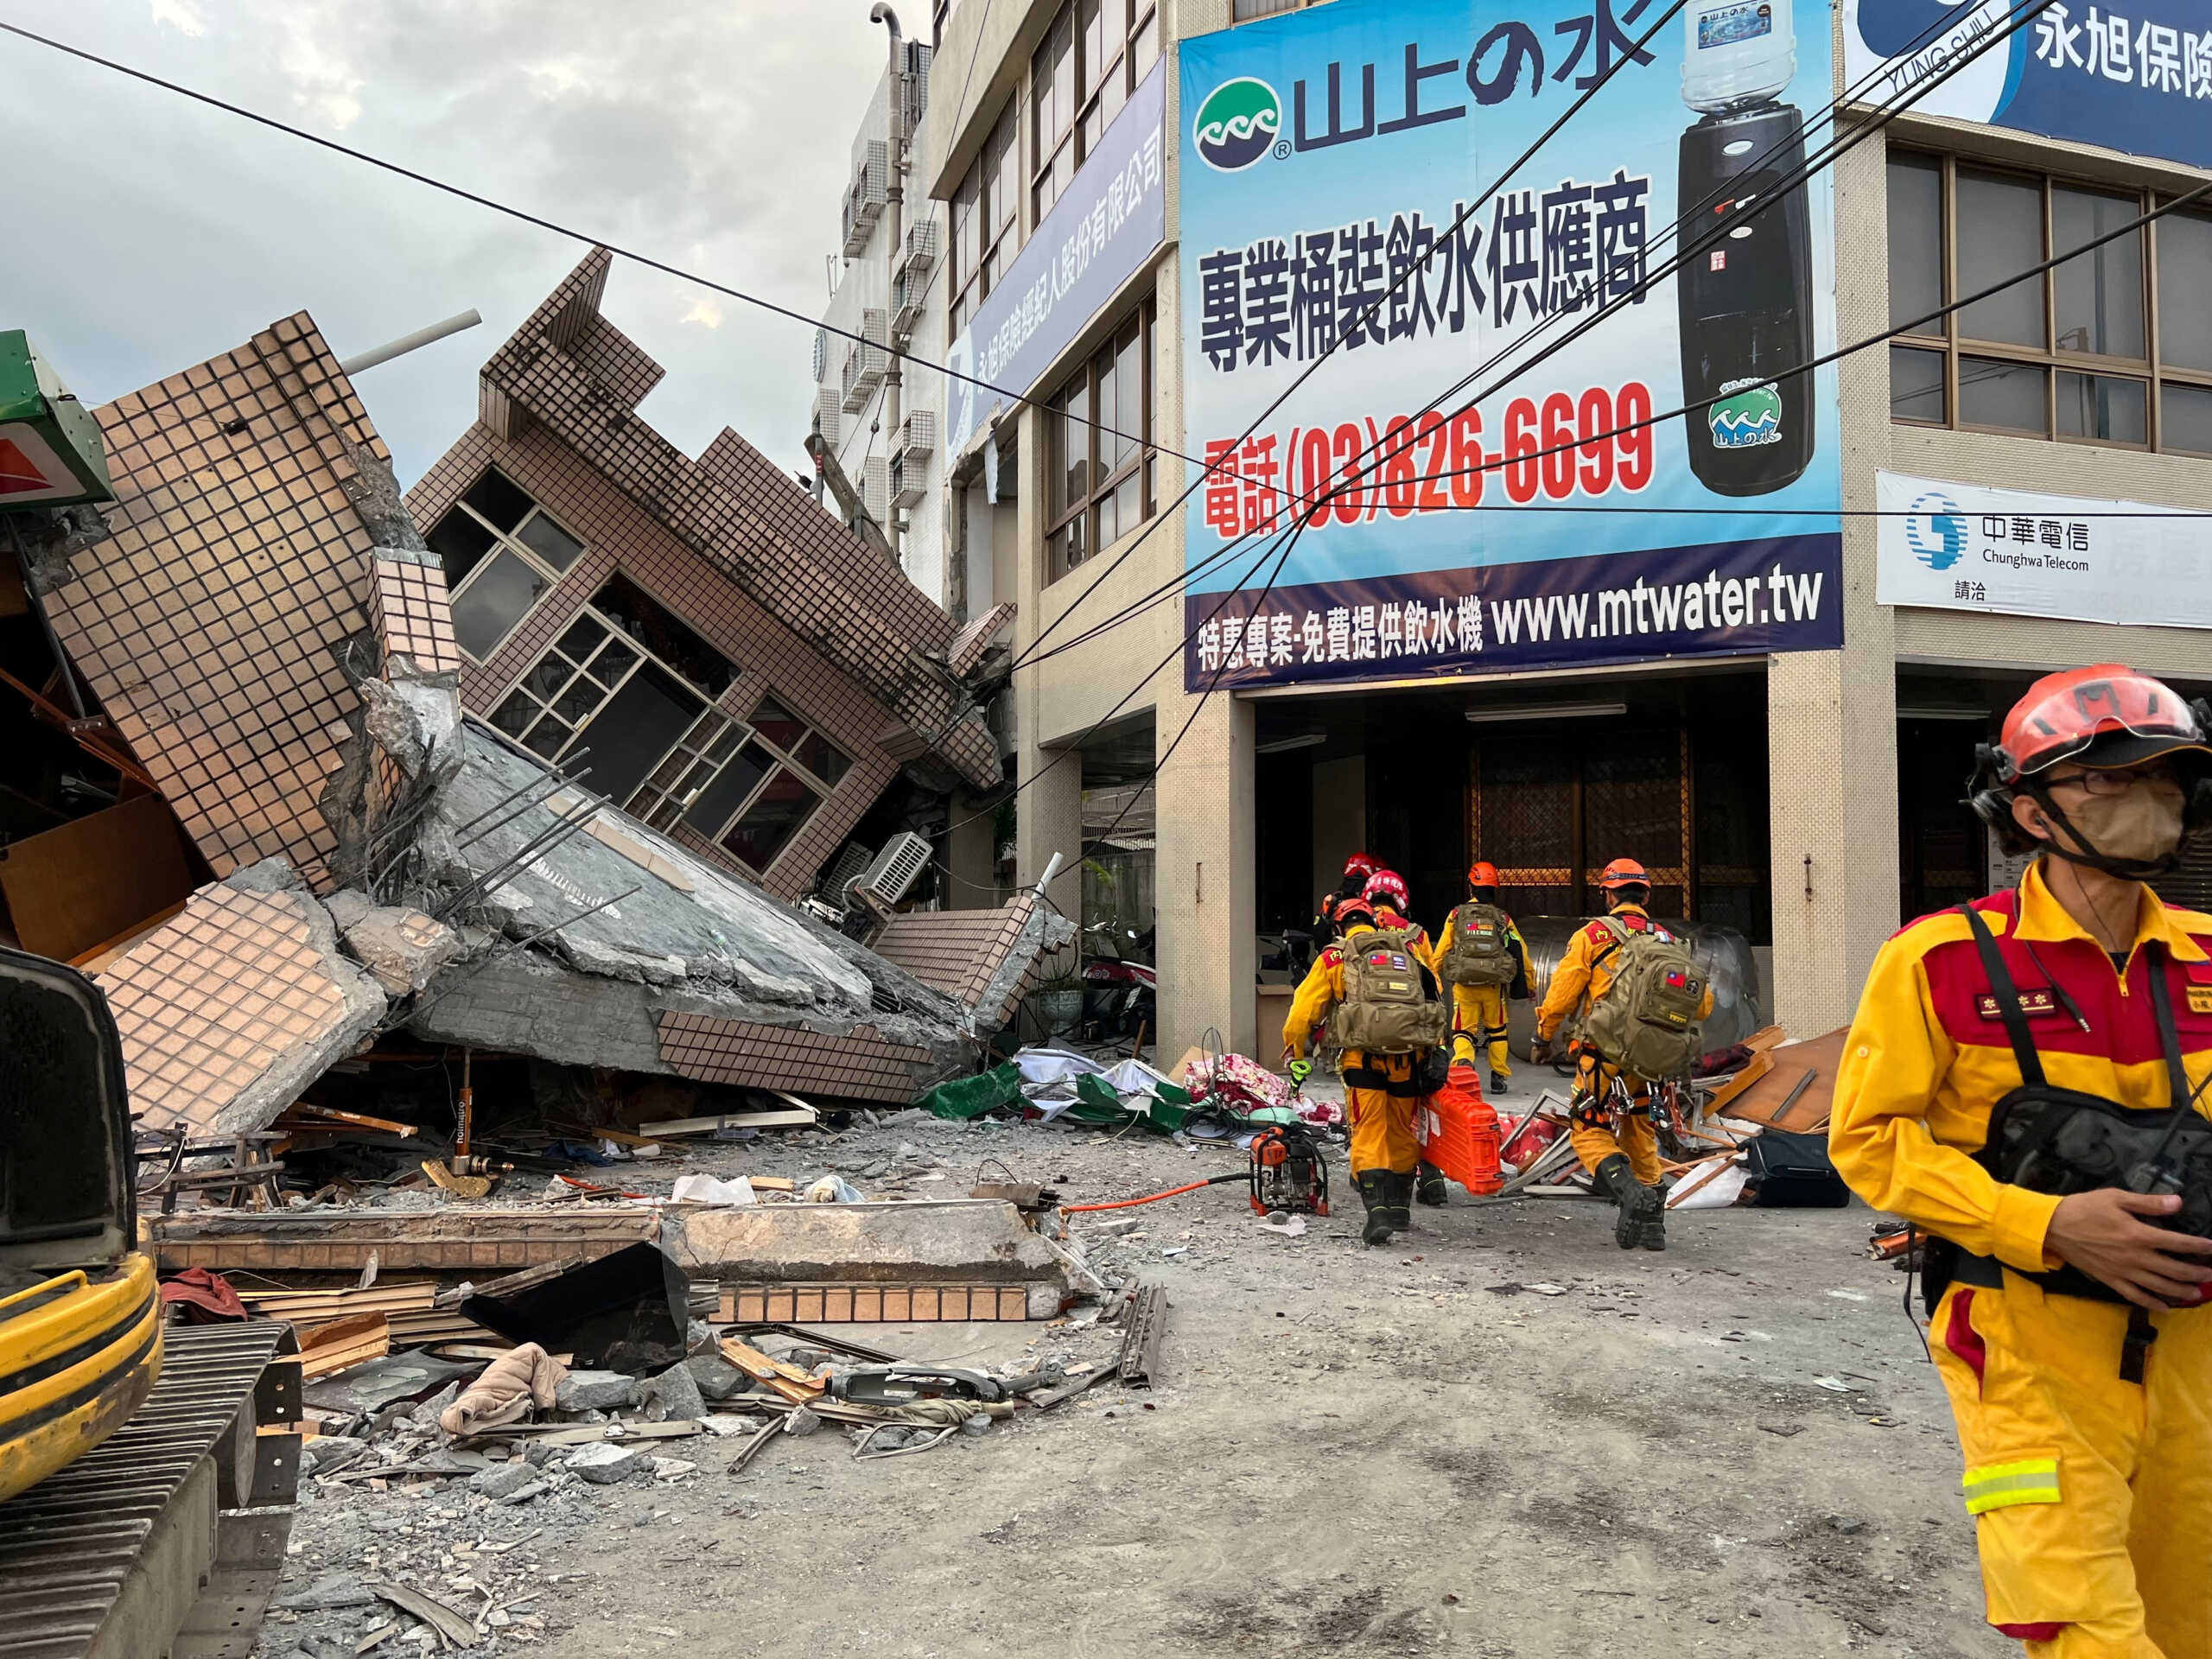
(1638, 996)
(2019, 1083)
(1384, 1014)
(1357, 868)
(1387, 896)
(1482, 956)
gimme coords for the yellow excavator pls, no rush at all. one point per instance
(146, 1471)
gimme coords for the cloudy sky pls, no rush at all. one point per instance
(146, 233)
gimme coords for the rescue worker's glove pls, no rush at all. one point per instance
(1539, 1052)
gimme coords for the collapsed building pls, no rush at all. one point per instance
(545, 783)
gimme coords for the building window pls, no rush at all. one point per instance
(501, 552)
(1103, 465)
(2066, 354)
(1092, 57)
(986, 216)
(749, 792)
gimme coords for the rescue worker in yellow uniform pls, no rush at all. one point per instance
(2071, 1335)
(1620, 1148)
(1479, 1010)
(1386, 895)
(1381, 1090)
(1357, 868)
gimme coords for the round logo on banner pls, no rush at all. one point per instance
(1935, 531)
(1237, 124)
(1896, 27)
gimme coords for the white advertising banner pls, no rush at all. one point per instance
(1960, 547)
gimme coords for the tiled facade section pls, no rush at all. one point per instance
(619, 535)
(862, 1066)
(958, 951)
(412, 616)
(210, 622)
(867, 1304)
(968, 644)
(747, 521)
(211, 999)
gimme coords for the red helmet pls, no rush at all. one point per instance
(1389, 887)
(1361, 865)
(1625, 873)
(2106, 712)
(1482, 873)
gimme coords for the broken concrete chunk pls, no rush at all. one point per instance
(400, 946)
(961, 1241)
(674, 1396)
(595, 1391)
(605, 1462)
(503, 1479)
(801, 1421)
(717, 1379)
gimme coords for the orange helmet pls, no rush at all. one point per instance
(1389, 887)
(1352, 911)
(1625, 873)
(1482, 873)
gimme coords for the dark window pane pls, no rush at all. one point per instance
(778, 724)
(546, 737)
(648, 622)
(2103, 406)
(545, 680)
(575, 704)
(458, 541)
(822, 758)
(727, 792)
(1916, 385)
(2007, 394)
(1915, 240)
(758, 836)
(2100, 292)
(2185, 291)
(513, 716)
(500, 596)
(551, 542)
(2186, 416)
(635, 727)
(499, 501)
(583, 638)
(613, 663)
(2000, 233)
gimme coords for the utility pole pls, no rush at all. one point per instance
(894, 211)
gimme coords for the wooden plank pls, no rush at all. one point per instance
(72, 888)
(344, 1344)
(792, 1118)
(786, 1381)
(1786, 1098)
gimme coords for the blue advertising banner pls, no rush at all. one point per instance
(1338, 155)
(2136, 77)
(1097, 236)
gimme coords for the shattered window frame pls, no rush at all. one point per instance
(540, 561)
(691, 769)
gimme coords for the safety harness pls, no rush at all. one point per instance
(2061, 1142)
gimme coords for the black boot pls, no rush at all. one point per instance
(1429, 1183)
(1375, 1193)
(1497, 1081)
(1651, 1226)
(1618, 1179)
(1400, 1189)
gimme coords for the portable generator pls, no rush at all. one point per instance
(1288, 1171)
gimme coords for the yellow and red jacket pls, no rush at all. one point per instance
(1928, 1059)
(1585, 973)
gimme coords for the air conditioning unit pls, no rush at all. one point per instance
(866, 195)
(920, 253)
(909, 483)
(876, 487)
(909, 293)
(918, 435)
(892, 875)
(850, 864)
(829, 415)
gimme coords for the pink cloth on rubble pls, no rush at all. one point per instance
(1240, 1077)
(505, 1391)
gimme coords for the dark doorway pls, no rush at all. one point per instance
(1942, 849)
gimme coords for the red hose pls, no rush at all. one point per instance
(1172, 1192)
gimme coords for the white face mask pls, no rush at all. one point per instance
(2142, 826)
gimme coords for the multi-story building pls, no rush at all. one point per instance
(1511, 541)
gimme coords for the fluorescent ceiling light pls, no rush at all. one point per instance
(1280, 745)
(1497, 713)
(1942, 711)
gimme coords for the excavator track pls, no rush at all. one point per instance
(168, 1538)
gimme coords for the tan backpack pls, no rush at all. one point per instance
(1386, 1008)
(1646, 1021)
(1482, 948)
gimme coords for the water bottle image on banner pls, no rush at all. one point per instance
(1746, 298)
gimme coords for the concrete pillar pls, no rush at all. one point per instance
(1206, 876)
(1339, 818)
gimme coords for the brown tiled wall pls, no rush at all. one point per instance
(210, 622)
(862, 1066)
(412, 615)
(956, 952)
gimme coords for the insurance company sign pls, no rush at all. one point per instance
(1097, 236)
(1360, 313)
(1959, 547)
(2136, 76)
